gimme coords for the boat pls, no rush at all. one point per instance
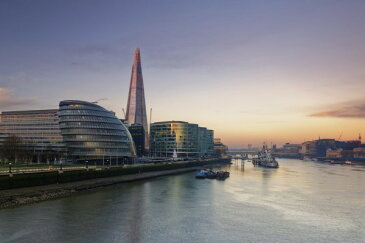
(211, 174)
(222, 175)
(201, 175)
(265, 159)
(334, 162)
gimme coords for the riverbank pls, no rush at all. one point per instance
(26, 195)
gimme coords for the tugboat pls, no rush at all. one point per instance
(265, 159)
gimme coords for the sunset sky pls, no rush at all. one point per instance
(254, 71)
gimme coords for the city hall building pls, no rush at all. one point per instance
(77, 131)
(91, 132)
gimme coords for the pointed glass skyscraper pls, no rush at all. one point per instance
(136, 108)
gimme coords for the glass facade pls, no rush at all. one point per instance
(91, 132)
(187, 139)
(38, 129)
(136, 107)
(138, 135)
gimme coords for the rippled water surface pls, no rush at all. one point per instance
(299, 202)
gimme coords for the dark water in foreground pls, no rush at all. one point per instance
(299, 202)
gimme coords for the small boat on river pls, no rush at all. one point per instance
(210, 174)
(201, 175)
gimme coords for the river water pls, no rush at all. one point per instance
(301, 201)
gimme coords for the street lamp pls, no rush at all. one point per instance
(9, 168)
(87, 167)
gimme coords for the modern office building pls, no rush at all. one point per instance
(138, 135)
(220, 149)
(136, 107)
(187, 139)
(38, 129)
(91, 132)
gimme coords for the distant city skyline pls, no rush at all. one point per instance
(252, 71)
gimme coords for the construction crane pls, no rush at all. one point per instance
(96, 101)
(124, 113)
(340, 136)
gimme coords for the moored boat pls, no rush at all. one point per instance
(201, 175)
(211, 174)
(265, 159)
(222, 175)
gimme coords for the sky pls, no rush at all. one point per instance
(253, 71)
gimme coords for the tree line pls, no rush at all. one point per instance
(15, 150)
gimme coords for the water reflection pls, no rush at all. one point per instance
(319, 202)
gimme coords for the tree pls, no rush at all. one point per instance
(12, 149)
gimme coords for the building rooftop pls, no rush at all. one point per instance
(163, 122)
(23, 112)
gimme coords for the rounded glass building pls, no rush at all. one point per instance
(91, 132)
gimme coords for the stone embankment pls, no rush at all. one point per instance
(25, 195)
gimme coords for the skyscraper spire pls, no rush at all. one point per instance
(136, 108)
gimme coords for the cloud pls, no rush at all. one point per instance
(18, 78)
(7, 99)
(352, 109)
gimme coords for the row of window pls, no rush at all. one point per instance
(86, 131)
(90, 125)
(90, 118)
(98, 144)
(86, 113)
(101, 138)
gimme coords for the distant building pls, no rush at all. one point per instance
(359, 153)
(339, 154)
(38, 129)
(220, 149)
(136, 107)
(187, 139)
(322, 145)
(308, 149)
(138, 135)
(348, 145)
(317, 148)
(289, 150)
(91, 132)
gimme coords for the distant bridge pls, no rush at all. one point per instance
(241, 154)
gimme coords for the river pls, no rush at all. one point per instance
(302, 201)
